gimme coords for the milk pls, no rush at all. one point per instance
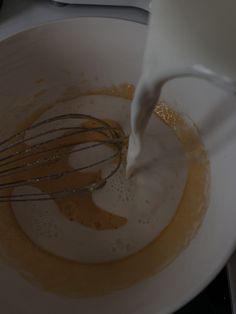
(147, 202)
(186, 38)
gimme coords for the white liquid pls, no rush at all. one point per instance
(148, 200)
(186, 39)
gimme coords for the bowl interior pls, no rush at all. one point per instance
(38, 66)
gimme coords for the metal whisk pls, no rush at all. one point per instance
(21, 163)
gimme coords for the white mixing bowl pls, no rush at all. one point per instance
(37, 66)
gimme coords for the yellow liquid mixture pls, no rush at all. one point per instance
(70, 278)
(80, 206)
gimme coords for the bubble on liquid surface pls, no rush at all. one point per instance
(148, 200)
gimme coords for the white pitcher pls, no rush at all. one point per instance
(196, 38)
(186, 38)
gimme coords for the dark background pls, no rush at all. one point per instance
(215, 299)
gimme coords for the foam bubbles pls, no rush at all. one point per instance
(148, 200)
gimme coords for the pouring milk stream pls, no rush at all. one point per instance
(186, 38)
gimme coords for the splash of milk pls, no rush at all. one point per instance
(185, 39)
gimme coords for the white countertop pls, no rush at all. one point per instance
(18, 15)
